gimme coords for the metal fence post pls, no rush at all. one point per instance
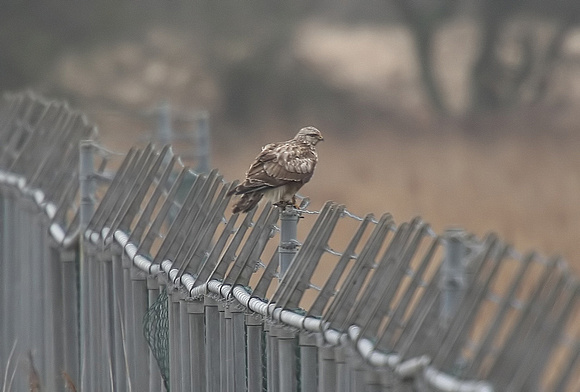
(327, 367)
(212, 347)
(174, 340)
(70, 313)
(272, 359)
(94, 358)
(52, 310)
(357, 372)
(344, 372)
(107, 308)
(184, 344)
(197, 344)
(22, 323)
(236, 342)
(7, 277)
(287, 360)
(202, 143)
(452, 275)
(121, 375)
(37, 274)
(55, 321)
(224, 364)
(155, 379)
(230, 351)
(86, 178)
(288, 243)
(255, 347)
(308, 362)
(128, 323)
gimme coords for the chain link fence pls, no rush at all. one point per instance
(145, 282)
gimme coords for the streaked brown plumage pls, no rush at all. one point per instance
(279, 171)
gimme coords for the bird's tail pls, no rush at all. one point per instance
(247, 202)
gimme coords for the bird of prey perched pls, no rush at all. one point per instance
(279, 171)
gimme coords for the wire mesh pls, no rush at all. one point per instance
(156, 331)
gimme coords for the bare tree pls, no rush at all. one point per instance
(495, 82)
(424, 18)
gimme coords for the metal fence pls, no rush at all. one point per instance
(146, 283)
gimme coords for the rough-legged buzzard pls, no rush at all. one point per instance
(279, 171)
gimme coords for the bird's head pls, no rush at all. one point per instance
(309, 135)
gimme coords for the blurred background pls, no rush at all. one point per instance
(463, 112)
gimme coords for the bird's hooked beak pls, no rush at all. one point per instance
(320, 138)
